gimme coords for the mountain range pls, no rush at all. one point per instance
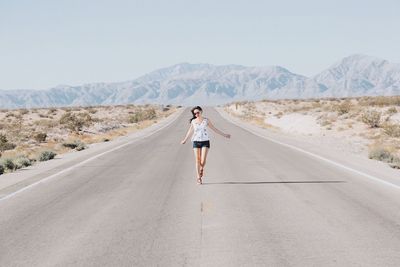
(206, 84)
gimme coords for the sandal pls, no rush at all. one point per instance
(199, 181)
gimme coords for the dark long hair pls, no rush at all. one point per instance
(192, 110)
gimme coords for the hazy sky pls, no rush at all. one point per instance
(47, 43)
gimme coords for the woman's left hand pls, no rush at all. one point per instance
(227, 135)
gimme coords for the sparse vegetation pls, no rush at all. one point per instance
(372, 118)
(46, 155)
(142, 115)
(381, 154)
(4, 144)
(344, 107)
(391, 129)
(76, 144)
(392, 110)
(395, 163)
(22, 161)
(40, 137)
(8, 164)
(75, 122)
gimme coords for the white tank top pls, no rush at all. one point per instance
(200, 130)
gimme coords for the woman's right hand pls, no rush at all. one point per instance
(227, 135)
(183, 141)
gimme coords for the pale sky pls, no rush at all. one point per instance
(47, 43)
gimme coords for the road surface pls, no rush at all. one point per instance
(261, 204)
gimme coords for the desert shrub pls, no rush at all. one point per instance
(395, 163)
(9, 114)
(392, 110)
(371, 118)
(8, 164)
(279, 114)
(76, 144)
(392, 130)
(381, 154)
(46, 155)
(142, 115)
(4, 144)
(45, 123)
(344, 107)
(22, 161)
(75, 122)
(23, 111)
(165, 109)
(43, 115)
(380, 101)
(1, 169)
(40, 137)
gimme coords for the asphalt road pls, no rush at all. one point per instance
(261, 204)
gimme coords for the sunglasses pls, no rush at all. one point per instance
(197, 112)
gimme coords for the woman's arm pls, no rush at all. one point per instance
(216, 130)
(187, 134)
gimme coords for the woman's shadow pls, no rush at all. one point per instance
(278, 182)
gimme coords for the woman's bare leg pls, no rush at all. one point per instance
(204, 152)
(197, 157)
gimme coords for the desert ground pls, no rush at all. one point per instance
(368, 126)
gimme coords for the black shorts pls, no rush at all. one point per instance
(200, 144)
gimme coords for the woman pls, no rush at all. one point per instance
(200, 139)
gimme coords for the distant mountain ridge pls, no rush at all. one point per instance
(206, 84)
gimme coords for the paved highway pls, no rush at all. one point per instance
(261, 204)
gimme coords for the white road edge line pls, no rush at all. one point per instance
(312, 154)
(88, 160)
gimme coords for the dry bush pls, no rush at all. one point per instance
(9, 115)
(43, 115)
(316, 104)
(23, 111)
(46, 155)
(5, 144)
(75, 122)
(371, 118)
(380, 101)
(142, 115)
(75, 144)
(395, 163)
(8, 164)
(40, 137)
(279, 114)
(344, 107)
(45, 123)
(391, 129)
(380, 153)
(392, 110)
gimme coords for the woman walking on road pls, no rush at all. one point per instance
(200, 139)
